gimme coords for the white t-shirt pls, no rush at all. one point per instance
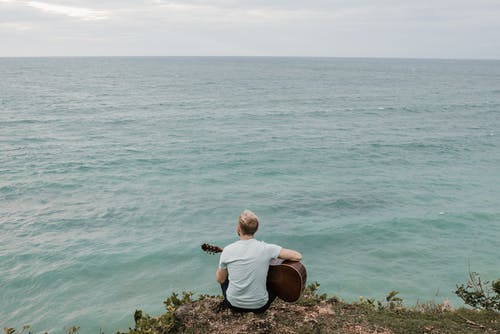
(247, 262)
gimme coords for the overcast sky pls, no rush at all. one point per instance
(336, 28)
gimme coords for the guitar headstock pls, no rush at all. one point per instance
(211, 248)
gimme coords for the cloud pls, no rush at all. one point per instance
(14, 26)
(427, 28)
(194, 12)
(82, 13)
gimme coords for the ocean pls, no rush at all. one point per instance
(383, 173)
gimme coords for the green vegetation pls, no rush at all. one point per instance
(318, 313)
(26, 328)
(164, 323)
(479, 294)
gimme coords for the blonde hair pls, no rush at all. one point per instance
(248, 222)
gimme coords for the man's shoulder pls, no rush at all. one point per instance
(271, 249)
(250, 244)
(268, 244)
(232, 246)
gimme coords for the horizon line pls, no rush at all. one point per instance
(258, 56)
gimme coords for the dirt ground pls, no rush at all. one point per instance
(207, 317)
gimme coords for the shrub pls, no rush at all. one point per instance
(310, 295)
(144, 323)
(480, 294)
(392, 302)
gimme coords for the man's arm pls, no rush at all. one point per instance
(288, 254)
(221, 275)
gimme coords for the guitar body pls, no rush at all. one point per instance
(287, 279)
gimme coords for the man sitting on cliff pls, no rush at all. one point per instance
(243, 267)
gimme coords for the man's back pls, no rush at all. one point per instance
(247, 262)
(243, 268)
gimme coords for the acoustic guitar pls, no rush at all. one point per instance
(285, 278)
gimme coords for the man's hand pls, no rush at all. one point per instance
(288, 254)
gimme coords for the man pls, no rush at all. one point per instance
(243, 267)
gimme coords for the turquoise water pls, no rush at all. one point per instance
(384, 173)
